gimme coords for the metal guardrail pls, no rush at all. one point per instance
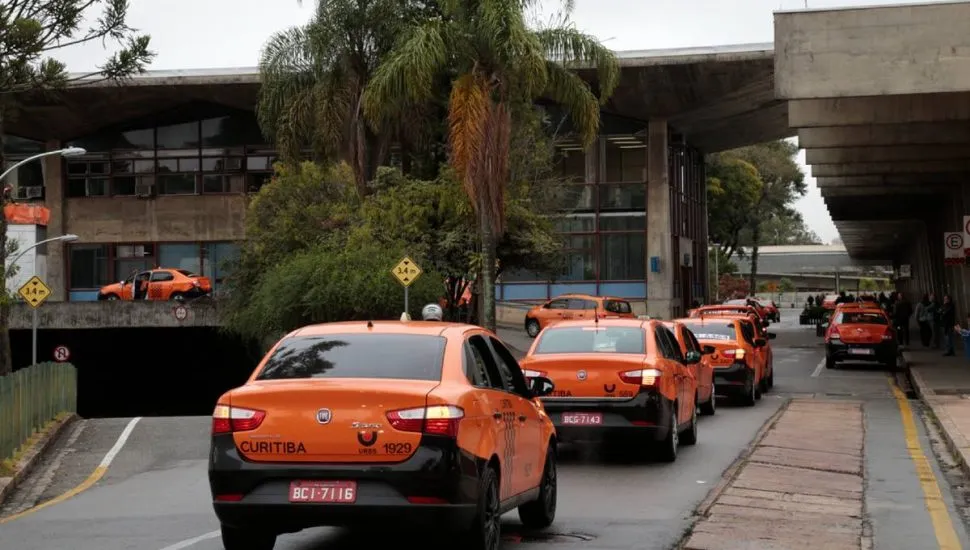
(32, 397)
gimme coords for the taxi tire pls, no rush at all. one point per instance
(763, 386)
(749, 398)
(234, 538)
(771, 378)
(485, 532)
(667, 450)
(541, 512)
(689, 436)
(532, 328)
(709, 407)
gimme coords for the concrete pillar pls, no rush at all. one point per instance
(660, 285)
(55, 199)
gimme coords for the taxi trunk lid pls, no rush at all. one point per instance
(725, 352)
(329, 420)
(589, 375)
(862, 333)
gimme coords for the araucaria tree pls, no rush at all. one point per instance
(498, 63)
(31, 31)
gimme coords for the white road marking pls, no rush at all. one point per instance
(818, 369)
(193, 541)
(122, 439)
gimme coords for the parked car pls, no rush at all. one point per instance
(158, 284)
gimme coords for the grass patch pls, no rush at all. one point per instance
(8, 465)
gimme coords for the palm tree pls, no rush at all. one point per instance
(313, 80)
(498, 63)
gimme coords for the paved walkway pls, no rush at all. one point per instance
(801, 487)
(944, 385)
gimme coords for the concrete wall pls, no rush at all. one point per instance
(86, 315)
(160, 219)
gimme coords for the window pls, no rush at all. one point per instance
(580, 266)
(217, 260)
(161, 276)
(692, 343)
(557, 304)
(89, 265)
(622, 256)
(475, 368)
(385, 356)
(713, 330)
(622, 221)
(509, 369)
(179, 136)
(575, 198)
(747, 330)
(483, 357)
(617, 306)
(591, 340)
(177, 184)
(133, 258)
(626, 159)
(623, 197)
(580, 304)
(180, 256)
(862, 318)
(668, 345)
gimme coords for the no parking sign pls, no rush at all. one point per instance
(62, 354)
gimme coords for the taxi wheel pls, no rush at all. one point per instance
(750, 393)
(532, 328)
(234, 538)
(485, 532)
(689, 437)
(829, 363)
(667, 451)
(710, 407)
(177, 296)
(771, 378)
(763, 386)
(112, 297)
(541, 512)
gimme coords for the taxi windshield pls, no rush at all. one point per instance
(396, 356)
(713, 331)
(592, 340)
(862, 318)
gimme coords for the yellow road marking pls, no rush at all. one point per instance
(946, 536)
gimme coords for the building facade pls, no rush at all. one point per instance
(171, 162)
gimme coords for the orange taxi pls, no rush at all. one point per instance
(736, 353)
(860, 333)
(370, 423)
(761, 327)
(576, 306)
(758, 307)
(158, 284)
(699, 364)
(617, 379)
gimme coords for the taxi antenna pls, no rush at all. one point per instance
(370, 324)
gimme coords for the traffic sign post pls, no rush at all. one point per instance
(406, 272)
(35, 292)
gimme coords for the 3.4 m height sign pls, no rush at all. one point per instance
(953, 248)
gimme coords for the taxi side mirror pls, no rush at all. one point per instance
(692, 357)
(541, 386)
(708, 349)
(772, 335)
(761, 342)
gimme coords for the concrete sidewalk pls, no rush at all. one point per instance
(943, 383)
(800, 488)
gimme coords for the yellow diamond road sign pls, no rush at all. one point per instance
(35, 292)
(406, 271)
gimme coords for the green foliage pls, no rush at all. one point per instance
(787, 227)
(786, 285)
(733, 189)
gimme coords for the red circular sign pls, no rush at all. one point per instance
(966, 228)
(181, 313)
(954, 241)
(61, 354)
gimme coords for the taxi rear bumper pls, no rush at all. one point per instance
(648, 414)
(882, 352)
(733, 379)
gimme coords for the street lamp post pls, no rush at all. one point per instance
(65, 152)
(64, 238)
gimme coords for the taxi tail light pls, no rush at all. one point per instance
(427, 500)
(834, 333)
(226, 419)
(231, 497)
(642, 377)
(890, 334)
(736, 354)
(433, 420)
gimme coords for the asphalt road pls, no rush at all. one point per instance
(154, 495)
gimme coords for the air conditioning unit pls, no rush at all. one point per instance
(688, 259)
(144, 190)
(29, 192)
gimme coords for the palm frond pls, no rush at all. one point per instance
(286, 71)
(468, 117)
(574, 95)
(496, 155)
(515, 47)
(573, 48)
(407, 75)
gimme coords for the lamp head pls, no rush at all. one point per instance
(73, 152)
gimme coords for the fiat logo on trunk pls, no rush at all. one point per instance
(324, 416)
(581, 375)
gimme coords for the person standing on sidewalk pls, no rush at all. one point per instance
(948, 318)
(926, 318)
(902, 311)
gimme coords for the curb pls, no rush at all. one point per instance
(942, 420)
(729, 475)
(33, 456)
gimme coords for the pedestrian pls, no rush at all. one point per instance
(902, 311)
(926, 318)
(948, 318)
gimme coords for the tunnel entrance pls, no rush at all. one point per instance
(126, 372)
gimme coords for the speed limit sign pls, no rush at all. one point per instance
(61, 354)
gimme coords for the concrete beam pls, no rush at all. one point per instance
(872, 51)
(924, 133)
(93, 315)
(766, 124)
(899, 109)
(877, 168)
(899, 153)
(868, 191)
(904, 180)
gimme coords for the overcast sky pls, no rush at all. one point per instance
(229, 33)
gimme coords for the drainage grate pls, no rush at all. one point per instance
(547, 537)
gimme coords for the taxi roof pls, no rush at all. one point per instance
(713, 319)
(642, 323)
(575, 295)
(426, 328)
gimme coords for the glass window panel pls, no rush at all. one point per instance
(521, 275)
(136, 139)
(255, 181)
(225, 164)
(622, 256)
(572, 165)
(579, 267)
(623, 197)
(189, 165)
(179, 136)
(18, 146)
(100, 168)
(77, 168)
(180, 256)
(77, 187)
(144, 166)
(257, 163)
(122, 167)
(575, 224)
(219, 258)
(97, 187)
(89, 266)
(124, 186)
(622, 222)
(583, 242)
(238, 129)
(169, 153)
(573, 198)
(125, 268)
(176, 184)
(625, 159)
(30, 174)
(215, 184)
(167, 165)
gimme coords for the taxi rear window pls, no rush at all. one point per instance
(856, 318)
(713, 331)
(394, 356)
(592, 340)
(617, 306)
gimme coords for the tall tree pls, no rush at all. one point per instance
(31, 31)
(314, 77)
(499, 64)
(733, 189)
(787, 227)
